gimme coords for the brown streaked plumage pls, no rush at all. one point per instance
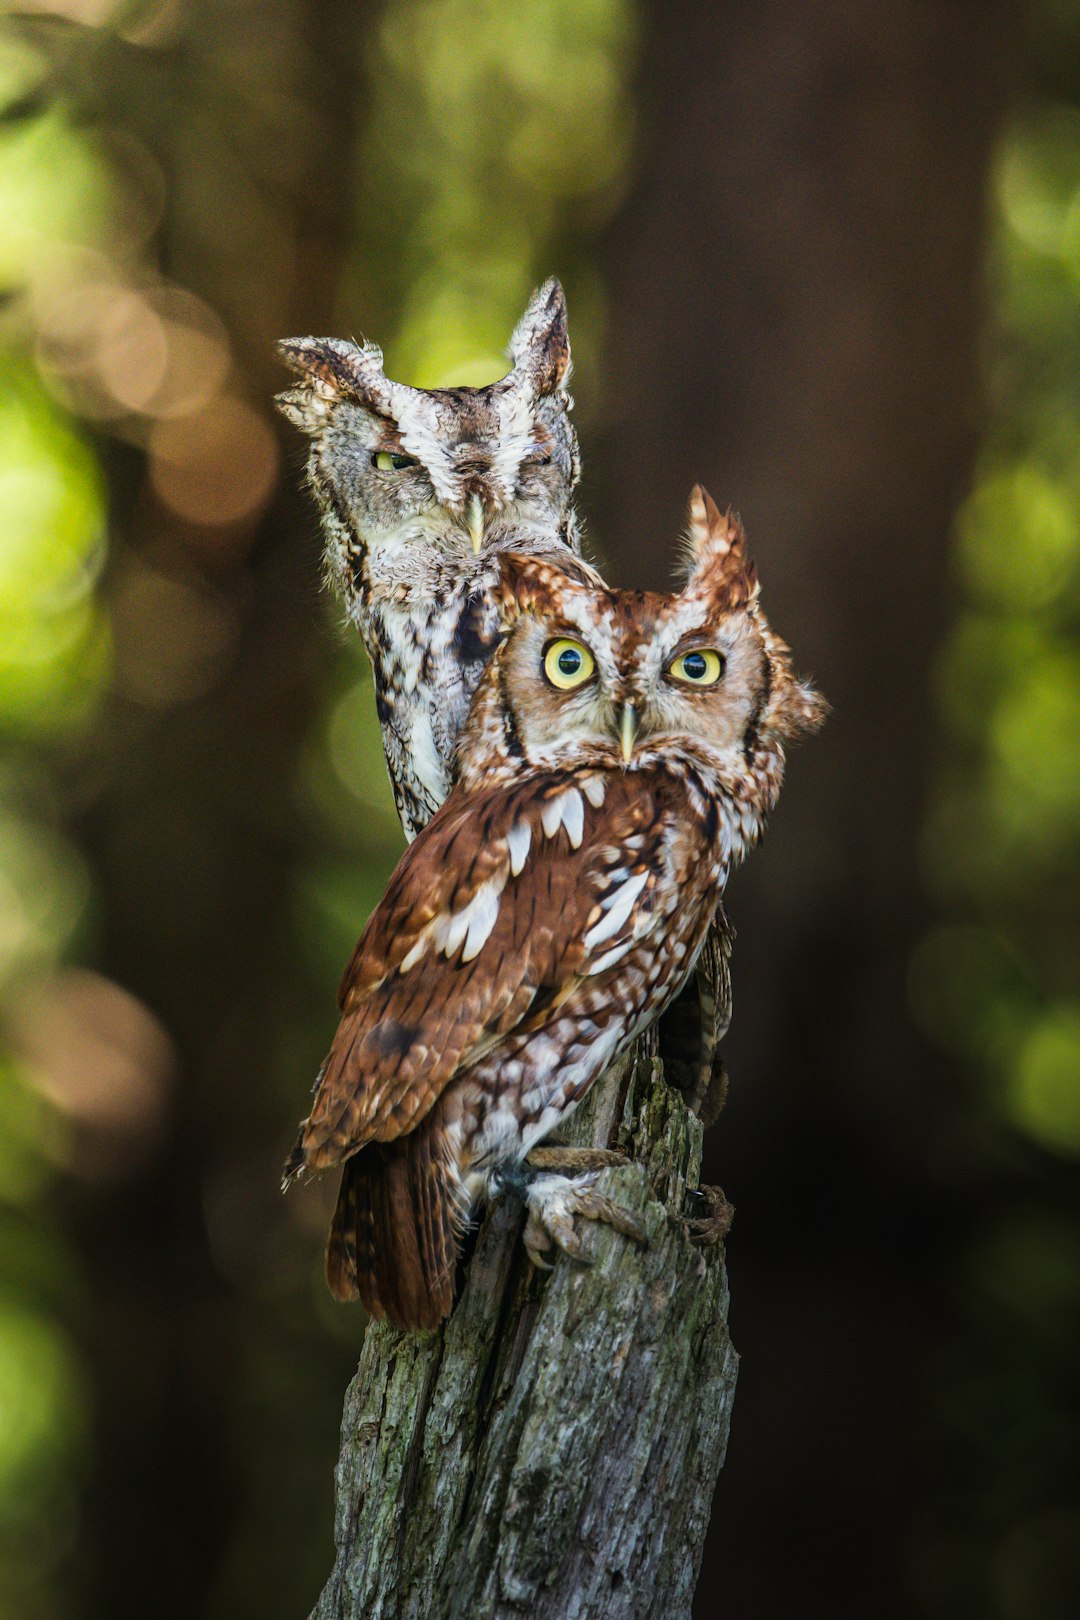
(551, 909)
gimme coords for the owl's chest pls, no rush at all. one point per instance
(430, 643)
(427, 654)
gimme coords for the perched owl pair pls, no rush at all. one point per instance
(578, 767)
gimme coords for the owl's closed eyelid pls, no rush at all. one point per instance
(392, 461)
(528, 476)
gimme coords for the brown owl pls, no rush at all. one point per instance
(622, 752)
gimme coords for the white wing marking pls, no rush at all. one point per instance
(618, 904)
(485, 909)
(565, 810)
(609, 958)
(518, 844)
(472, 925)
(551, 816)
(573, 817)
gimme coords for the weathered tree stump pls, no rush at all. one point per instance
(553, 1449)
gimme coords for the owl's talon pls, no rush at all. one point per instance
(536, 1255)
(612, 1214)
(715, 1223)
(553, 1201)
(560, 1157)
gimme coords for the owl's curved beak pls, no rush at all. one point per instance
(474, 521)
(629, 726)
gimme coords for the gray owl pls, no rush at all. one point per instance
(421, 491)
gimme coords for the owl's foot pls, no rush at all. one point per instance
(559, 1156)
(714, 1221)
(553, 1201)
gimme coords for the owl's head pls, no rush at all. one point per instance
(624, 679)
(459, 467)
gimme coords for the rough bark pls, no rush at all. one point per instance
(553, 1449)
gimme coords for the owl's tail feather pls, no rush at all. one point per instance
(395, 1237)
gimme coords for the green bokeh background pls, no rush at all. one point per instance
(194, 819)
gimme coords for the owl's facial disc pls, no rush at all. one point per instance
(618, 679)
(462, 472)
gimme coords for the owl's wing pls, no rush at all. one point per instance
(498, 910)
(693, 1025)
(713, 984)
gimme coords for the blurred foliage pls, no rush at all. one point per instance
(156, 165)
(496, 133)
(53, 636)
(1003, 843)
(54, 665)
(998, 983)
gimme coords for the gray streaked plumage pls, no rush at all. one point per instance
(413, 550)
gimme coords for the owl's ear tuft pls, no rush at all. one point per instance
(525, 585)
(333, 363)
(332, 369)
(794, 707)
(713, 536)
(794, 710)
(718, 561)
(540, 346)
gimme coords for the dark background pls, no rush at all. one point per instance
(824, 256)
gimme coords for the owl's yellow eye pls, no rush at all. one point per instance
(702, 667)
(567, 663)
(387, 461)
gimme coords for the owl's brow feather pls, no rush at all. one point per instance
(694, 637)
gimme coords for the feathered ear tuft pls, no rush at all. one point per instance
(540, 346)
(794, 707)
(332, 369)
(722, 576)
(525, 585)
(334, 364)
(719, 566)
